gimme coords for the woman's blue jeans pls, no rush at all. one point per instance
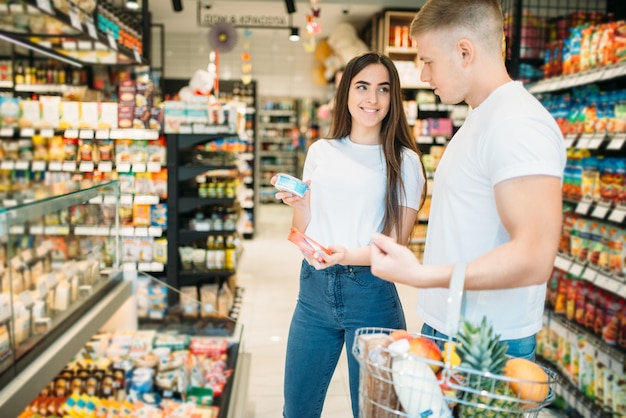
(332, 304)
(521, 347)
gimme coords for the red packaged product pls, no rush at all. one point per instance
(613, 309)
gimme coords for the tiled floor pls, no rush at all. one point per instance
(268, 272)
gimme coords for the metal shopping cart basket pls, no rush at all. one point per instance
(396, 383)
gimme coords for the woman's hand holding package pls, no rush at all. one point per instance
(291, 199)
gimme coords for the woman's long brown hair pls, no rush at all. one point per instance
(395, 133)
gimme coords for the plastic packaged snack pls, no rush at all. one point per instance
(291, 184)
(307, 245)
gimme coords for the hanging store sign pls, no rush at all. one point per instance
(249, 21)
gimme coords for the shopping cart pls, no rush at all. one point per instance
(399, 384)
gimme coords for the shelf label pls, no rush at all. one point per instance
(584, 141)
(569, 140)
(6, 132)
(155, 231)
(157, 267)
(86, 134)
(104, 231)
(123, 167)
(129, 267)
(71, 133)
(596, 141)
(606, 282)
(616, 143)
(562, 263)
(9, 202)
(600, 211)
(127, 231)
(39, 165)
(109, 199)
(22, 165)
(69, 166)
(576, 269)
(75, 19)
(112, 42)
(86, 166)
(116, 134)
(7, 165)
(139, 168)
(126, 199)
(137, 56)
(45, 6)
(96, 200)
(144, 266)
(441, 140)
(589, 274)
(153, 167)
(47, 133)
(91, 29)
(583, 207)
(105, 166)
(141, 231)
(424, 139)
(618, 214)
(102, 134)
(27, 132)
(146, 200)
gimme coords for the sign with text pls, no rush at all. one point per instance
(206, 19)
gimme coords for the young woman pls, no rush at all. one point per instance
(367, 177)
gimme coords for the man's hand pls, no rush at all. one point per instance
(393, 262)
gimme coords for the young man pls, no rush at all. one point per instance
(496, 202)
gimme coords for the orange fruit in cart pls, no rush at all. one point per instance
(531, 381)
(426, 348)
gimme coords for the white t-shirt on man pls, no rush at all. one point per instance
(508, 135)
(348, 183)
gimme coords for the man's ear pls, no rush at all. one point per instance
(466, 49)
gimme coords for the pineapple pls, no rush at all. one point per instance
(480, 350)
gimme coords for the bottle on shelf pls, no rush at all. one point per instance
(220, 253)
(210, 253)
(20, 76)
(230, 253)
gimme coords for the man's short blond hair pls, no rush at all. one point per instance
(481, 18)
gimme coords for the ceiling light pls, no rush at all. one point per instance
(295, 35)
(132, 4)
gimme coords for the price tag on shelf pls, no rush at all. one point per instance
(123, 167)
(127, 231)
(27, 132)
(17, 230)
(36, 230)
(582, 208)
(569, 140)
(7, 165)
(69, 166)
(69, 45)
(109, 200)
(86, 134)
(139, 168)
(45, 6)
(105, 166)
(39, 165)
(137, 56)
(91, 28)
(111, 40)
(622, 291)
(102, 231)
(562, 263)
(47, 133)
(86, 166)
(141, 231)
(6, 132)
(17, 8)
(75, 19)
(129, 266)
(83, 230)
(126, 199)
(85, 45)
(617, 215)
(144, 266)
(155, 231)
(589, 274)
(157, 267)
(603, 281)
(424, 139)
(441, 140)
(600, 211)
(102, 134)
(153, 167)
(617, 142)
(9, 202)
(117, 134)
(22, 165)
(596, 141)
(576, 269)
(70, 133)
(146, 199)
(584, 141)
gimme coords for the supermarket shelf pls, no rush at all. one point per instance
(40, 371)
(580, 79)
(584, 271)
(604, 211)
(189, 203)
(188, 235)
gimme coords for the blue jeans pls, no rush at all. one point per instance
(332, 304)
(521, 347)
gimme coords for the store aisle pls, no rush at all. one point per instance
(268, 272)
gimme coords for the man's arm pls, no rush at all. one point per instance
(531, 211)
